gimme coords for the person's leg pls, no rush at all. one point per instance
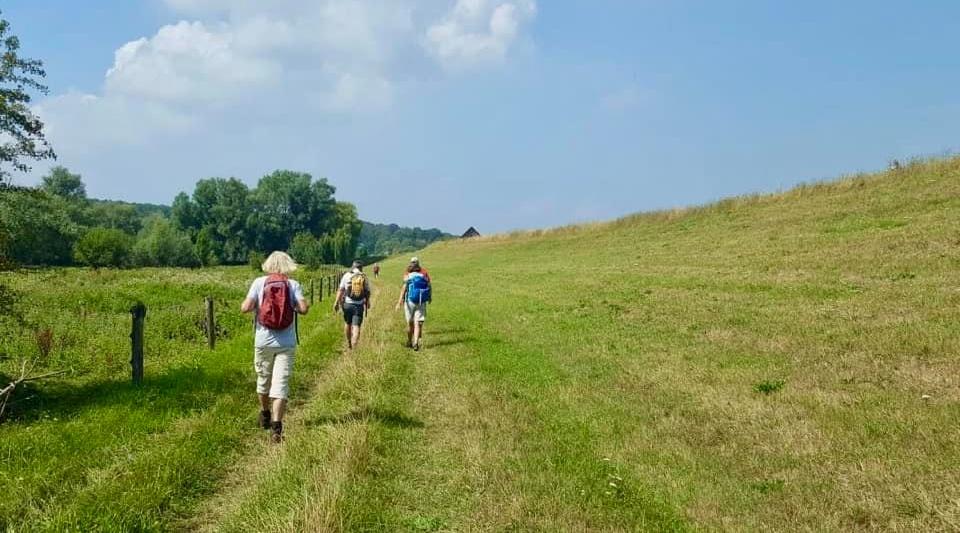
(280, 388)
(408, 315)
(355, 334)
(356, 322)
(279, 409)
(263, 365)
(419, 316)
(347, 334)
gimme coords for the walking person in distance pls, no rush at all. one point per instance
(415, 294)
(353, 296)
(275, 298)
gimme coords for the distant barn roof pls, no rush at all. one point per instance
(472, 232)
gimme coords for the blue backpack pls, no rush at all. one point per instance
(418, 288)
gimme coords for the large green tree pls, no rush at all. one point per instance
(61, 182)
(220, 208)
(286, 203)
(227, 221)
(35, 228)
(22, 130)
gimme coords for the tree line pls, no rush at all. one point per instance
(389, 239)
(222, 222)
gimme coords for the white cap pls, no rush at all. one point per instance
(415, 260)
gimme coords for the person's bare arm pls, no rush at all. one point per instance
(247, 305)
(338, 299)
(302, 306)
(403, 294)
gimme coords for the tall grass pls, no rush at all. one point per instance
(92, 451)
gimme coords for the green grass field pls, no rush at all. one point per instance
(783, 362)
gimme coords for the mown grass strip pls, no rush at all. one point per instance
(332, 440)
(497, 453)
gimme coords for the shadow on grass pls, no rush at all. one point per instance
(388, 418)
(452, 341)
(442, 330)
(183, 388)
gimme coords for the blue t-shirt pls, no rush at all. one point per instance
(274, 338)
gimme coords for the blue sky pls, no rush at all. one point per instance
(500, 114)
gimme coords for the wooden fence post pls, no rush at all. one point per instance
(139, 312)
(311, 291)
(211, 324)
(321, 289)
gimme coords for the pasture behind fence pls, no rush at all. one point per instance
(158, 317)
(309, 278)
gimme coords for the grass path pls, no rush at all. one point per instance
(496, 451)
(451, 438)
(304, 483)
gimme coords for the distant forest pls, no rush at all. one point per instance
(222, 222)
(389, 239)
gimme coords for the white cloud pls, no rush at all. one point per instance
(478, 31)
(188, 62)
(277, 68)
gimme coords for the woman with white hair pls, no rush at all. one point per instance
(275, 298)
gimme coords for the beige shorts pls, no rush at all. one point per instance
(273, 367)
(414, 311)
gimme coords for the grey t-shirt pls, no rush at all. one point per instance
(272, 338)
(345, 285)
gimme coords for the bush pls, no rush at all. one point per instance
(305, 249)
(255, 260)
(161, 244)
(103, 247)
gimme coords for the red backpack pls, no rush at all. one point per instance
(276, 307)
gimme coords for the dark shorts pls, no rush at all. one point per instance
(353, 314)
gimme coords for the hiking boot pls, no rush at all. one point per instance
(264, 419)
(408, 345)
(277, 436)
(416, 347)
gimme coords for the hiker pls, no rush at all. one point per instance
(414, 296)
(353, 296)
(376, 270)
(275, 298)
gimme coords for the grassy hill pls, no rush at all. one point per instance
(775, 362)
(769, 362)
